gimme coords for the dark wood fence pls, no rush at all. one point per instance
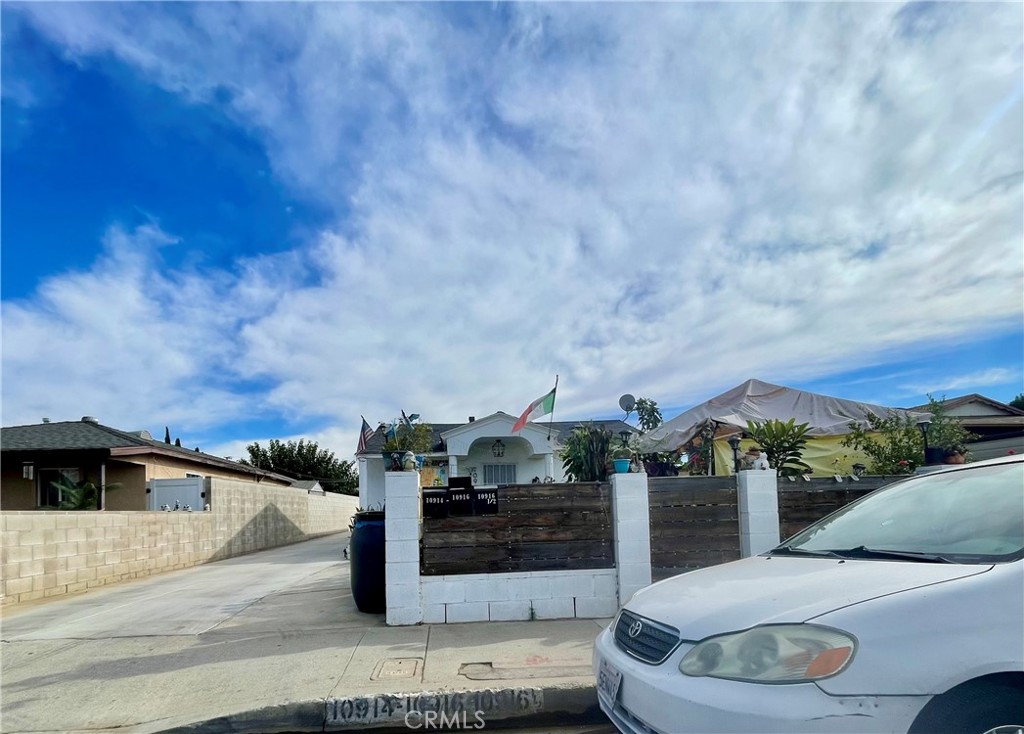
(694, 523)
(802, 503)
(695, 520)
(538, 527)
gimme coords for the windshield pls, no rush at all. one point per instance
(975, 515)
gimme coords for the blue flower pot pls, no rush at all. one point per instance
(621, 466)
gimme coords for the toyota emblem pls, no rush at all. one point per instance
(635, 628)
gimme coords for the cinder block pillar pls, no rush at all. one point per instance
(758, 499)
(632, 523)
(402, 547)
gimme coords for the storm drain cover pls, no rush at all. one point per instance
(392, 668)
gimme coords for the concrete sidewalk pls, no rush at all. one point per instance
(300, 658)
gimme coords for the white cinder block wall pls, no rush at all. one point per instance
(757, 499)
(482, 597)
(595, 593)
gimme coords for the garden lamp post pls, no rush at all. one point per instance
(624, 435)
(734, 442)
(923, 425)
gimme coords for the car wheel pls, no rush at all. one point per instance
(988, 708)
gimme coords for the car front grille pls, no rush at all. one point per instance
(646, 640)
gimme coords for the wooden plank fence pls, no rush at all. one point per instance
(694, 523)
(802, 503)
(695, 520)
(538, 527)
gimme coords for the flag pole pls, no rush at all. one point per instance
(551, 420)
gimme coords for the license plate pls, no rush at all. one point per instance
(608, 680)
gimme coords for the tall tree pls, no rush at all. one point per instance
(1018, 402)
(305, 460)
(647, 414)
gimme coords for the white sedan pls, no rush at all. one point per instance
(902, 612)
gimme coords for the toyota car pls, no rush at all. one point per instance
(901, 612)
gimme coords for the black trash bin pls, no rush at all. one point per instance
(366, 562)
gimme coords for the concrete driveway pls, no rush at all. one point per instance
(257, 630)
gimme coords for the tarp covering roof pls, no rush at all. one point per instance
(760, 401)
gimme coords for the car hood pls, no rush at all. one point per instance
(778, 589)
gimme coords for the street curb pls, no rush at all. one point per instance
(448, 710)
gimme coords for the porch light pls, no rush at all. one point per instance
(498, 449)
(28, 470)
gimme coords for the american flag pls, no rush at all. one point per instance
(364, 435)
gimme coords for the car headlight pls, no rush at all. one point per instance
(780, 653)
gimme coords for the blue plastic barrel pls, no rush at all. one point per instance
(366, 562)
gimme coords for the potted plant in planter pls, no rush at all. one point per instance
(622, 459)
(404, 437)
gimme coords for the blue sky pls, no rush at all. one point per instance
(262, 221)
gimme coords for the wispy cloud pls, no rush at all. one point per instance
(972, 381)
(659, 199)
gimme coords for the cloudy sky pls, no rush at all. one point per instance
(262, 221)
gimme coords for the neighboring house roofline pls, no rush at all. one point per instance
(952, 403)
(89, 435)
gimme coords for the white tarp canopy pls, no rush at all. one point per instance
(760, 401)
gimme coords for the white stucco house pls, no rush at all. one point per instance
(485, 450)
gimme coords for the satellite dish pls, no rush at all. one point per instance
(627, 402)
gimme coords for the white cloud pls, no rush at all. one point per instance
(972, 381)
(659, 199)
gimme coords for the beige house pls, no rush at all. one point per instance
(35, 456)
(999, 427)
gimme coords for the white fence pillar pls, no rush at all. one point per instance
(757, 497)
(402, 548)
(632, 523)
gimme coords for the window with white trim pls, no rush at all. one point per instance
(499, 473)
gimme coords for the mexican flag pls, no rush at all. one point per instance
(539, 407)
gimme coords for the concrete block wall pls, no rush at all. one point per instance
(51, 553)
(632, 525)
(47, 553)
(757, 498)
(329, 513)
(402, 548)
(519, 596)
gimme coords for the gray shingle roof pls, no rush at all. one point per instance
(67, 435)
(89, 436)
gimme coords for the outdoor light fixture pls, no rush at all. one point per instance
(28, 470)
(859, 469)
(923, 427)
(624, 435)
(734, 442)
(498, 449)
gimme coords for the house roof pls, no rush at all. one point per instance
(558, 428)
(953, 403)
(88, 435)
